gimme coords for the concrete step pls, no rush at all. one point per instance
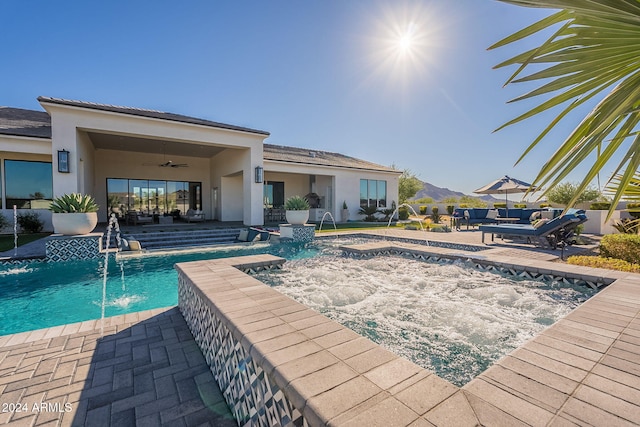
(172, 239)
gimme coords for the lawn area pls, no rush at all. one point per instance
(6, 240)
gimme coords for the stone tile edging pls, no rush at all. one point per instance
(278, 362)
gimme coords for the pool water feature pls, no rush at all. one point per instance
(449, 318)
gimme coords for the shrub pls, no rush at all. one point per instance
(369, 213)
(621, 246)
(403, 214)
(600, 262)
(435, 216)
(423, 210)
(627, 225)
(600, 206)
(634, 209)
(423, 200)
(463, 205)
(30, 222)
(520, 205)
(545, 205)
(499, 205)
(450, 209)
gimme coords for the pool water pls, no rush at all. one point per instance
(42, 295)
(449, 318)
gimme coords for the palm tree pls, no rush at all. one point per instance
(593, 53)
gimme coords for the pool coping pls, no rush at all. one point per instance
(330, 375)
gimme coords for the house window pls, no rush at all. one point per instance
(28, 185)
(373, 192)
(153, 196)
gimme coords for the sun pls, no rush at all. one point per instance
(405, 42)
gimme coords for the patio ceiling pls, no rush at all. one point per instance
(152, 146)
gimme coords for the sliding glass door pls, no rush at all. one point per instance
(153, 196)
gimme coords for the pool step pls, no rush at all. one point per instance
(174, 239)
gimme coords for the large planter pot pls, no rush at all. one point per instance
(297, 217)
(345, 215)
(71, 224)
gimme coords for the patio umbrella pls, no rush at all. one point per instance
(504, 185)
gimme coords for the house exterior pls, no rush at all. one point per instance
(160, 163)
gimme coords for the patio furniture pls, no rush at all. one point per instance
(135, 218)
(473, 216)
(559, 230)
(193, 215)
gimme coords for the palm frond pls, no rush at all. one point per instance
(592, 53)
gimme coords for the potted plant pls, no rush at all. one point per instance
(74, 214)
(345, 212)
(296, 210)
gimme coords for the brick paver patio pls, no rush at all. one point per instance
(145, 371)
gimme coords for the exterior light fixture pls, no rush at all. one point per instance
(259, 174)
(63, 161)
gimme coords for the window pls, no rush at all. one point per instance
(153, 196)
(373, 193)
(273, 194)
(29, 185)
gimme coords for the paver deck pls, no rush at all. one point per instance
(147, 370)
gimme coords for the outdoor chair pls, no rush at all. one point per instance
(559, 230)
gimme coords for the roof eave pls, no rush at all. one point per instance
(149, 114)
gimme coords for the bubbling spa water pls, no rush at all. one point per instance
(451, 319)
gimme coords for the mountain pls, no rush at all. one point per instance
(439, 193)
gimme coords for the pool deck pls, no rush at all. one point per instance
(147, 370)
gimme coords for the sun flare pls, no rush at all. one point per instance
(406, 42)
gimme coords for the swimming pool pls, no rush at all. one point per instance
(41, 295)
(449, 318)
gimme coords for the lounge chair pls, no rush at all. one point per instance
(559, 230)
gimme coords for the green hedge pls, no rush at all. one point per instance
(499, 205)
(600, 206)
(621, 246)
(600, 262)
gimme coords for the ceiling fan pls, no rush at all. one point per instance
(170, 164)
(167, 163)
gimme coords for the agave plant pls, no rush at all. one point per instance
(74, 203)
(296, 203)
(593, 54)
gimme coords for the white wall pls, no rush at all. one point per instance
(345, 183)
(69, 127)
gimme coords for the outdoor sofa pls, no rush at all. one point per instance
(473, 216)
(193, 215)
(547, 232)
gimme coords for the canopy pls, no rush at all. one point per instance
(505, 185)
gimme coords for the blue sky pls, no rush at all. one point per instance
(327, 75)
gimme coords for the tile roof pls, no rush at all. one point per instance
(281, 153)
(148, 113)
(19, 122)
(30, 123)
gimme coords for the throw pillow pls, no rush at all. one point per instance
(539, 223)
(243, 235)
